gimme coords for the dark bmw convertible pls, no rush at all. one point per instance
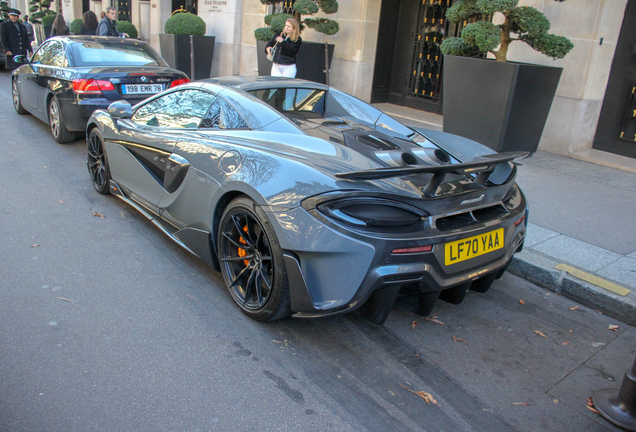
(69, 77)
(309, 201)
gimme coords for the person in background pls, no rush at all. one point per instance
(89, 24)
(287, 46)
(14, 38)
(29, 28)
(102, 14)
(108, 25)
(59, 26)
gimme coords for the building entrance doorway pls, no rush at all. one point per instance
(185, 6)
(409, 63)
(616, 130)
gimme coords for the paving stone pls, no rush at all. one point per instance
(578, 253)
(537, 234)
(622, 271)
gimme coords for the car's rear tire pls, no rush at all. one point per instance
(97, 163)
(60, 133)
(252, 262)
(16, 98)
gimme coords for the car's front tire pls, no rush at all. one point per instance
(16, 98)
(252, 262)
(61, 134)
(97, 162)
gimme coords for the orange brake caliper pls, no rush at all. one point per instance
(243, 252)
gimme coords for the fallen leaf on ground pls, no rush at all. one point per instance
(598, 311)
(548, 294)
(456, 339)
(424, 395)
(565, 343)
(61, 202)
(593, 410)
(522, 403)
(65, 299)
(613, 328)
(35, 245)
(573, 307)
(521, 302)
(434, 319)
(98, 215)
(590, 403)
(275, 341)
(413, 324)
(539, 333)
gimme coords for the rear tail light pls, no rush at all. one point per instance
(179, 82)
(418, 249)
(91, 86)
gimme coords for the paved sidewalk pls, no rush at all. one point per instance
(581, 240)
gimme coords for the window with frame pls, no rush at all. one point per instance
(51, 54)
(222, 115)
(180, 109)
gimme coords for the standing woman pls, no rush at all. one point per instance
(288, 45)
(89, 24)
(59, 26)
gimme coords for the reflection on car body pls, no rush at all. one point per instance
(309, 201)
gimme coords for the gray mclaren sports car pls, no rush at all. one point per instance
(309, 201)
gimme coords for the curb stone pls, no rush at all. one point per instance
(539, 269)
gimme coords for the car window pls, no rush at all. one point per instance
(222, 115)
(51, 54)
(293, 99)
(115, 53)
(180, 109)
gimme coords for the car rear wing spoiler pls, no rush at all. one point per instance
(481, 166)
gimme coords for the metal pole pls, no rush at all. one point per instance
(326, 71)
(619, 406)
(192, 58)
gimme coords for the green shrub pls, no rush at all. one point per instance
(48, 19)
(127, 27)
(276, 22)
(76, 26)
(185, 24)
(527, 24)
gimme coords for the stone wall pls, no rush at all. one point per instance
(575, 111)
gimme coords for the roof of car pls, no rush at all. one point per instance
(82, 38)
(251, 83)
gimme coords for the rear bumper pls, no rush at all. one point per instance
(339, 270)
(76, 113)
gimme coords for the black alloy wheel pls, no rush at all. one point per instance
(97, 163)
(252, 262)
(16, 98)
(61, 134)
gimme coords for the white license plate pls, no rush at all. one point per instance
(142, 88)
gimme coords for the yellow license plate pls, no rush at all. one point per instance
(465, 249)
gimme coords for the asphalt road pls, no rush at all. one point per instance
(108, 325)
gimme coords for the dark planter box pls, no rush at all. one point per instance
(501, 105)
(175, 49)
(310, 61)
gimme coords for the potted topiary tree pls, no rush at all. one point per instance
(128, 28)
(175, 45)
(501, 104)
(311, 56)
(76, 26)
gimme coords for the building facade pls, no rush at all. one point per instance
(375, 58)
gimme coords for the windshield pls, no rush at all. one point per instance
(115, 53)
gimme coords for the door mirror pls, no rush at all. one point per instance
(120, 109)
(20, 59)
